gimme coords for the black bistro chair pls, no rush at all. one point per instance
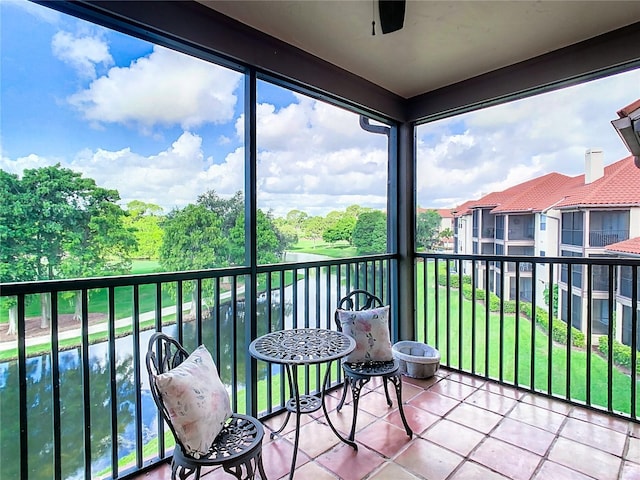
(239, 443)
(358, 374)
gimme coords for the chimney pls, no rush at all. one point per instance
(593, 165)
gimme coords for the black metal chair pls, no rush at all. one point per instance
(357, 375)
(238, 445)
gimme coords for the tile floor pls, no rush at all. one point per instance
(464, 428)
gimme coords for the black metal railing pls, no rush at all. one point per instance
(76, 404)
(602, 238)
(481, 326)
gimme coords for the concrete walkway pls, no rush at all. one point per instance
(96, 328)
(102, 326)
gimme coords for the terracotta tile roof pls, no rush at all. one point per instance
(626, 111)
(463, 209)
(443, 212)
(620, 186)
(630, 247)
(538, 194)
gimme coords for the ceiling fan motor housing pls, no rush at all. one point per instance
(391, 15)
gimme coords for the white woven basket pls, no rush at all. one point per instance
(417, 360)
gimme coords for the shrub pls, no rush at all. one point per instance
(494, 302)
(621, 352)
(525, 309)
(559, 329)
(510, 306)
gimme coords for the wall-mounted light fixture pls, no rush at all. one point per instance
(628, 127)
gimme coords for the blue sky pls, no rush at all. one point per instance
(163, 127)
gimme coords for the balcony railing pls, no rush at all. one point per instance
(602, 238)
(463, 310)
(77, 404)
(488, 232)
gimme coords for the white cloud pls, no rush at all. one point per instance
(315, 157)
(29, 162)
(470, 155)
(166, 88)
(171, 178)
(82, 52)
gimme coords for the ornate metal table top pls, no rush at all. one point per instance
(302, 346)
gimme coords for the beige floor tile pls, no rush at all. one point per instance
(474, 471)
(454, 436)
(441, 462)
(594, 435)
(524, 436)
(585, 459)
(633, 453)
(474, 417)
(630, 471)
(537, 416)
(314, 471)
(555, 471)
(509, 460)
(392, 471)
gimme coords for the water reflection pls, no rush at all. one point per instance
(72, 428)
(218, 332)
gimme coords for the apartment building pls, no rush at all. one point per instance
(624, 290)
(596, 214)
(446, 225)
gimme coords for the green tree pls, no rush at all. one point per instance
(313, 228)
(427, 229)
(296, 219)
(370, 233)
(355, 210)
(446, 233)
(70, 227)
(270, 243)
(192, 241)
(286, 230)
(228, 210)
(145, 219)
(17, 262)
(342, 229)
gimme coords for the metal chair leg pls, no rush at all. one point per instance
(397, 382)
(386, 391)
(345, 386)
(356, 388)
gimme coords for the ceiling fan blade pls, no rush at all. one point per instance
(391, 14)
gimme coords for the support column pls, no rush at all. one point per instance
(406, 230)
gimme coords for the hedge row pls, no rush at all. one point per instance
(558, 327)
(621, 352)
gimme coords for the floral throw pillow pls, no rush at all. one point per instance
(370, 330)
(197, 402)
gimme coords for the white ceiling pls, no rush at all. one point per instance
(442, 42)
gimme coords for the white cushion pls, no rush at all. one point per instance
(197, 402)
(370, 330)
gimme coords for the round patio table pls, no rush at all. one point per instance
(303, 346)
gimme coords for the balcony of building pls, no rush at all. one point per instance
(81, 404)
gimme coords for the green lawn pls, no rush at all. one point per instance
(333, 250)
(502, 337)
